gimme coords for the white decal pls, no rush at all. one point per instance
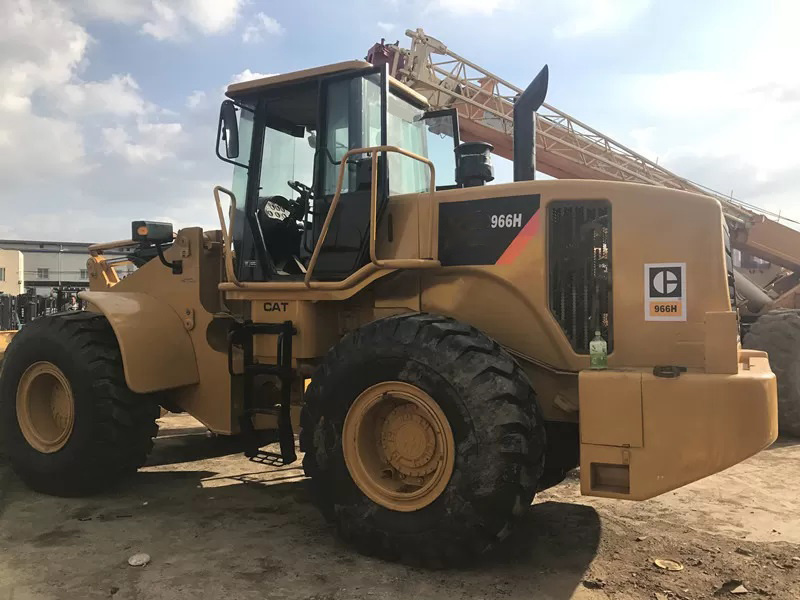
(507, 221)
(665, 292)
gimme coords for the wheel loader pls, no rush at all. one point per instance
(444, 323)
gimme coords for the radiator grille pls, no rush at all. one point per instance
(579, 268)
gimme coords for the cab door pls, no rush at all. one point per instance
(352, 115)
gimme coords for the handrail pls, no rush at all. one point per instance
(361, 274)
(227, 233)
(385, 264)
(373, 209)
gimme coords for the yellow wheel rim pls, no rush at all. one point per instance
(398, 446)
(45, 407)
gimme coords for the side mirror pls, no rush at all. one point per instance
(230, 128)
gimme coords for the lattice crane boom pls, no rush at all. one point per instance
(565, 146)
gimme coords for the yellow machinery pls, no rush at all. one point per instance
(5, 338)
(444, 324)
(768, 277)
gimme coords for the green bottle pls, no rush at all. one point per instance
(598, 352)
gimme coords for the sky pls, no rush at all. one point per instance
(108, 108)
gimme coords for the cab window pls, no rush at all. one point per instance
(285, 158)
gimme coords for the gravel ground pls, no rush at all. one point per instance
(219, 526)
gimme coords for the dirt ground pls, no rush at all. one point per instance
(219, 526)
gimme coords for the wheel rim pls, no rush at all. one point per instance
(45, 407)
(398, 446)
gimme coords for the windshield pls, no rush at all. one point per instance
(429, 137)
(286, 158)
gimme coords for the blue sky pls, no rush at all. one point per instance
(108, 110)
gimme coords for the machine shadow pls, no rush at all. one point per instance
(260, 509)
(192, 446)
(549, 551)
(784, 441)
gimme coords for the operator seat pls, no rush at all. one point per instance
(281, 233)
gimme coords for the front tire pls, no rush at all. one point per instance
(68, 422)
(457, 447)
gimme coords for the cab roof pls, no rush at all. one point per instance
(244, 88)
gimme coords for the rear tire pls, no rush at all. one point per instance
(778, 334)
(112, 428)
(490, 408)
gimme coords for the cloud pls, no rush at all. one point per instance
(118, 95)
(148, 143)
(41, 48)
(167, 19)
(27, 61)
(731, 128)
(263, 25)
(248, 75)
(597, 17)
(386, 27)
(212, 16)
(195, 99)
(471, 7)
(72, 144)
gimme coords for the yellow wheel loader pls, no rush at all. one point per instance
(444, 325)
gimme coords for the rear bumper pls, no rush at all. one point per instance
(643, 435)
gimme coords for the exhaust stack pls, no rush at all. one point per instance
(525, 108)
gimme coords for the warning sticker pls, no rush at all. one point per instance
(665, 292)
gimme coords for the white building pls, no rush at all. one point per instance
(11, 272)
(52, 264)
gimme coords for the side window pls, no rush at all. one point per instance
(337, 136)
(353, 120)
(407, 131)
(431, 135)
(441, 132)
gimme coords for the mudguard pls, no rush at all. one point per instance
(157, 352)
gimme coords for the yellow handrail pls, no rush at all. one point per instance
(227, 233)
(408, 263)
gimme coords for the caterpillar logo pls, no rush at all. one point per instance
(272, 306)
(665, 292)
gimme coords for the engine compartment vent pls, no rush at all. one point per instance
(579, 269)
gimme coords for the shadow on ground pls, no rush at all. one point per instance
(785, 441)
(219, 525)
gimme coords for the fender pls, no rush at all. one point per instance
(157, 352)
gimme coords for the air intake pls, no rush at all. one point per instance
(474, 164)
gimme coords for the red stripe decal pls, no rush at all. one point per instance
(518, 243)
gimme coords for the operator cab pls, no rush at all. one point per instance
(287, 136)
